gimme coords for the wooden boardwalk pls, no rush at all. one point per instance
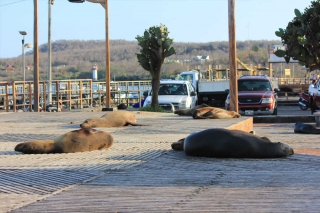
(141, 173)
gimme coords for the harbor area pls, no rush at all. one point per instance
(141, 173)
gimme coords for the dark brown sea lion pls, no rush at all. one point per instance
(81, 140)
(112, 119)
(305, 128)
(122, 106)
(224, 143)
(214, 113)
(189, 112)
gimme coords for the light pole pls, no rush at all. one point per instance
(24, 46)
(49, 53)
(23, 33)
(104, 3)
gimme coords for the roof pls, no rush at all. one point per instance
(173, 81)
(257, 77)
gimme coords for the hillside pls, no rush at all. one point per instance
(75, 58)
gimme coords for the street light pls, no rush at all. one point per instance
(51, 2)
(23, 33)
(104, 4)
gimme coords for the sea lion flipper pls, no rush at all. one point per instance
(265, 139)
(134, 124)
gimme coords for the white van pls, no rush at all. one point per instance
(174, 94)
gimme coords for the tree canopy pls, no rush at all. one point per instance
(301, 37)
(155, 45)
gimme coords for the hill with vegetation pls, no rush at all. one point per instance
(74, 59)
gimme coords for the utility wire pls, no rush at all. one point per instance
(11, 3)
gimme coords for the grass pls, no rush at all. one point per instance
(152, 109)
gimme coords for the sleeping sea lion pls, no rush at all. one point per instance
(224, 143)
(81, 140)
(214, 113)
(112, 119)
(305, 128)
(189, 111)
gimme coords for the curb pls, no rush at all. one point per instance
(284, 119)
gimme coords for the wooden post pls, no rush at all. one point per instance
(270, 70)
(107, 57)
(36, 59)
(80, 94)
(30, 96)
(232, 58)
(13, 85)
(69, 94)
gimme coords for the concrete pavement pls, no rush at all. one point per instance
(141, 173)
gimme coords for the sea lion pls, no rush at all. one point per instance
(82, 140)
(112, 119)
(305, 128)
(224, 143)
(214, 113)
(122, 106)
(189, 111)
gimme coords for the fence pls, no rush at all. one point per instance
(73, 94)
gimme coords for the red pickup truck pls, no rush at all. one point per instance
(257, 95)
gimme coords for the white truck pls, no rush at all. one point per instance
(212, 92)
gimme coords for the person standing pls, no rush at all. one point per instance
(312, 90)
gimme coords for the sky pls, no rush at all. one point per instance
(187, 20)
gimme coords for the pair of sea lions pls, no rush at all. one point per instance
(224, 143)
(85, 139)
(204, 111)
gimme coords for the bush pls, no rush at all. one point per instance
(152, 109)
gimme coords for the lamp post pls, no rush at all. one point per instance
(104, 3)
(24, 46)
(23, 33)
(49, 53)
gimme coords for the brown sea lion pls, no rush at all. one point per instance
(305, 128)
(112, 119)
(224, 143)
(189, 112)
(214, 113)
(81, 140)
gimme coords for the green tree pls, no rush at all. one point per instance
(301, 37)
(155, 45)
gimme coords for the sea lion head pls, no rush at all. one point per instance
(89, 123)
(178, 145)
(287, 150)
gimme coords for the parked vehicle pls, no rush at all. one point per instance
(174, 94)
(212, 92)
(257, 95)
(315, 98)
(304, 101)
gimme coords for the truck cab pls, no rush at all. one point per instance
(212, 92)
(192, 76)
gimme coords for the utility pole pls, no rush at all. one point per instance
(36, 59)
(232, 58)
(104, 4)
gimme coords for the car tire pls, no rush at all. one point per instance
(275, 110)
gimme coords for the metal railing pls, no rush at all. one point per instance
(72, 94)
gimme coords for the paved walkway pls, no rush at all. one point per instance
(141, 173)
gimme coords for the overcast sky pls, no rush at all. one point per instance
(187, 20)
